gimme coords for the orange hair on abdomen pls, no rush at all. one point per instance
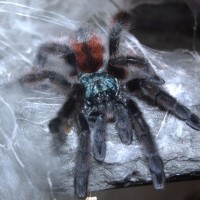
(89, 54)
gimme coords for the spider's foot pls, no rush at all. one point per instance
(193, 122)
(56, 126)
(81, 192)
(81, 183)
(99, 152)
(126, 136)
(57, 143)
(157, 172)
(158, 180)
(129, 180)
(157, 80)
(29, 78)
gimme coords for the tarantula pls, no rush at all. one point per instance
(102, 93)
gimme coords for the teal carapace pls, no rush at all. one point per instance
(100, 86)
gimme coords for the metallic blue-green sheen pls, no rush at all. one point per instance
(100, 86)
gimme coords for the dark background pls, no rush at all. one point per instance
(182, 190)
(169, 25)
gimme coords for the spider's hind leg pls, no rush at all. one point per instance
(117, 63)
(121, 20)
(143, 134)
(114, 37)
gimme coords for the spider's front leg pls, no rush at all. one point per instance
(164, 100)
(99, 142)
(82, 165)
(143, 134)
(71, 107)
(123, 124)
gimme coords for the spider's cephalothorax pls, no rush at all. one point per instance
(98, 85)
(100, 88)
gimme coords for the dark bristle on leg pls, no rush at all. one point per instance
(82, 165)
(117, 72)
(114, 39)
(123, 124)
(99, 143)
(69, 108)
(136, 61)
(143, 134)
(133, 84)
(123, 18)
(52, 76)
(56, 48)
(166, 101)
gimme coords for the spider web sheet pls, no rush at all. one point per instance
(29, 168)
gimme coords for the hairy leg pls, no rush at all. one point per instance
(121, 20)
(99, 143)
(114, 39)
(82, 165)
(143, 134)
(123, 124)
(164, 100)
(56, 48)
(116, 67)
(52, 76)
(71, 107)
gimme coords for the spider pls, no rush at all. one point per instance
(104, 92)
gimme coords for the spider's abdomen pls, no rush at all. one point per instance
(100, 87)
(89, 51)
